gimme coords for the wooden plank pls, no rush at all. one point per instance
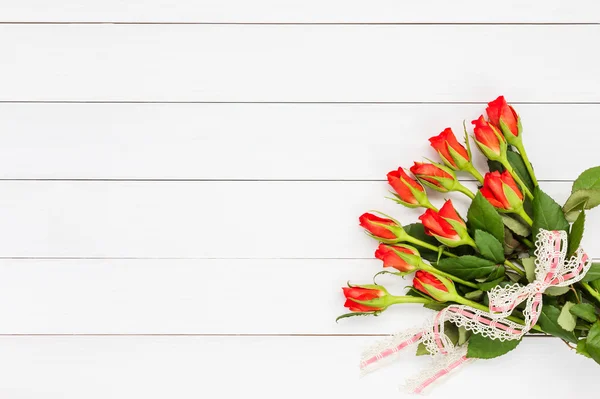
(274, 63)
(310, 11)
(265, 367)
(206, 296)
(264, 141)
(204, 219)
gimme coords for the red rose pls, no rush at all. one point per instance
(450, 150)
(436, 225)
(439, 288)
(495, 186)
(489, 139)
(390, 257)
(381, 228)
(358, 293)
(409, 192)
(434, 176)
(498, 110)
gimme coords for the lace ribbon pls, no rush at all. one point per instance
(552, 270)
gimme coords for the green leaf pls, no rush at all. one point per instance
(592, 274)
(584, 311)
(519, 166)
(581, 348)
(515, 226)
(474, 295)
(589, 179)
(547, 214)
(549, 322)
(467, 267)
(592, 343)
(489, 247)
(486, 348)
(529, 265)
(417, 230)
(556, 291)
(580, 200)
(483, 216)
(576, 234)
(463, 335)
(567, 320)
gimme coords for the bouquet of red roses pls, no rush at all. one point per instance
(512, 266)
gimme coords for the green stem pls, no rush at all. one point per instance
(514, 267)
(450, 276)
(525, 241)
(523, 153)
(465, 301)
(424, 244)
(591, 291)
(462, 189)
(408, 299)
(521, 212)
(514, 174)
(471, 169)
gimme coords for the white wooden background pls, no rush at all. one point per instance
(180, 184)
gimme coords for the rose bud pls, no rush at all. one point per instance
(366, 298)
(489, 140)
(504, 117)
(446, 226)
(439, 288)
(403, 258)
(450, 150)
(501, 190)
(409, 192)
(439, 177)
(382, 229)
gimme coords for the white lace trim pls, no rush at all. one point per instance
(551, 270)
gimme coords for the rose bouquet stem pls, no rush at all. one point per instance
(465, 301)
(514, 174)
(591, 291)
(521, 148)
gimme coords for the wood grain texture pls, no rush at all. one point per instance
(428, 63)
(206, 296)
(236, 367)
(265, 141)
(205, 219)
(307, 11)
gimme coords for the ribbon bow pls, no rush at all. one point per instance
(552, 270)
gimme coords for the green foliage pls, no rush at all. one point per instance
(515, 226)
(467, 267)
(565, 319)
(529, 265)
(580, 200)
(486, 348)
(588, 179)
(547, 214)
(592, 274)
(592, 342)
(483, 216)
(549, 322)
(417, 230)
(584, 311)
(576, 234)
(489, 247)
(518, 165)
(585, 193)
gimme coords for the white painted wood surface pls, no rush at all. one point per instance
(264, 141)
(179, 201)
(296, 63)
(301, 11)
